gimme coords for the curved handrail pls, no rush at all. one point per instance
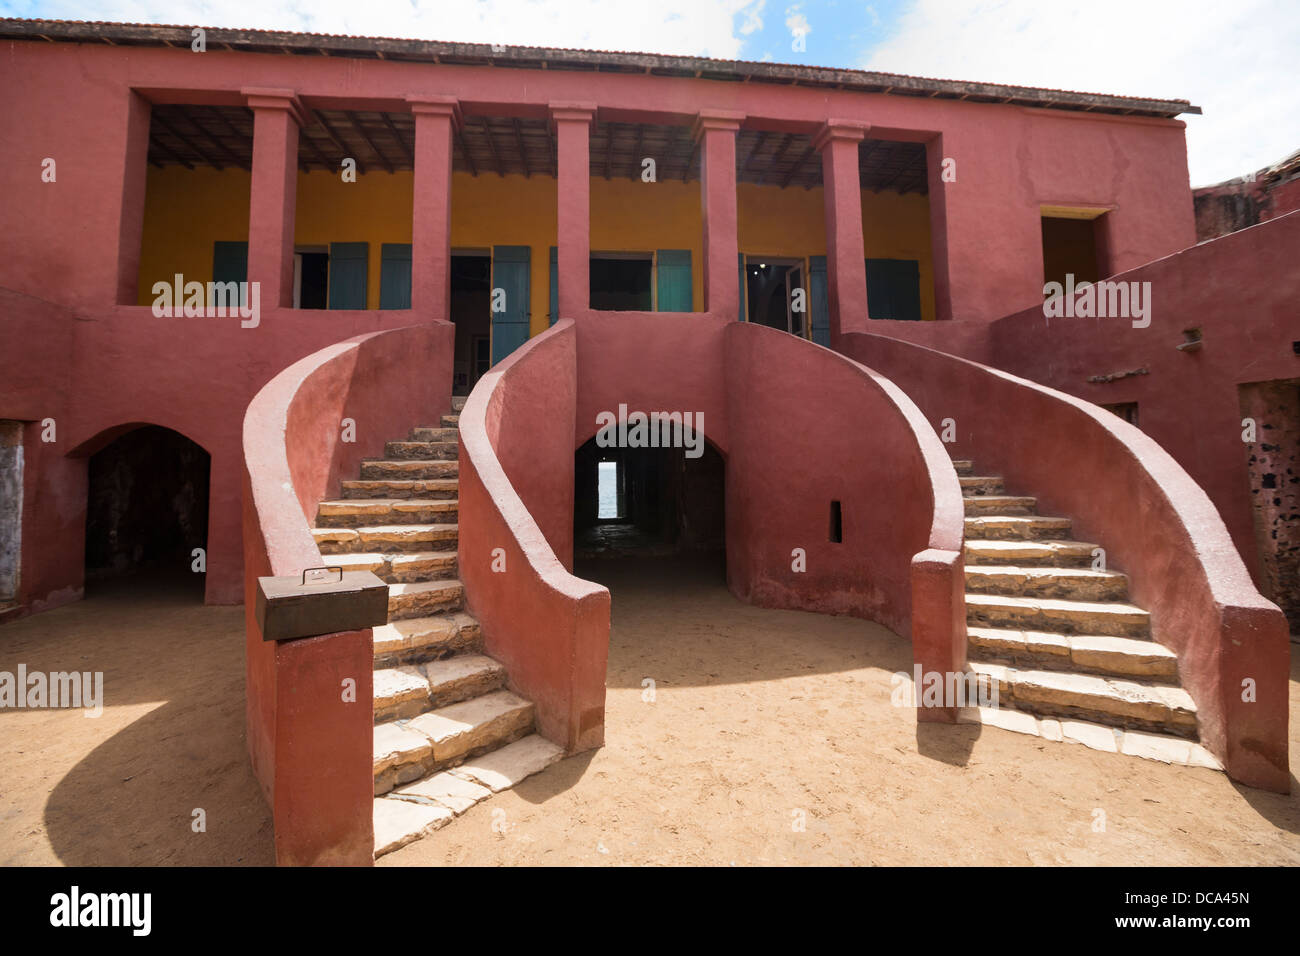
(1122, 488)
(549, 627)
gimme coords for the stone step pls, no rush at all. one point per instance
(400, 567)
(411, 689)
(450, 421)
(358, 512)
(416, 639)
(435, 433)
(386, 538)
(1111, 618)
(1108, 739)
(999, 504)
(379, 469)
(445, 794)
(406, 750)
(402, 488)
(422, 450)
(964, 466)
(1016, 527)
(1123, 703)
(422, 598)
(1077, 584)
(1044, 552)
(458, 402)
(981, 484)
(1084, 653)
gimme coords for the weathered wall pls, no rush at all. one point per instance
(1274, 474)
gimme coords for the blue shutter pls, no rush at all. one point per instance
(555, 285)
(348, 266)
(395, 275)
(744, 312)
(894, 289)
(230, 264)
(818, 301)
(510, 266)
(674, 281)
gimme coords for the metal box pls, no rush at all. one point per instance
(291, 607)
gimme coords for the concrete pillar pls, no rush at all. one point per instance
(436, 120)
(573, 198)
(715, 131)
(846, 272)
(273, 195)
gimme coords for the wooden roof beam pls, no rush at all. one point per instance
(356, 123)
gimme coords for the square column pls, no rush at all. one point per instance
(273, 193)
(573, 198)
(436, 120)
(715, 131)
(846, 270)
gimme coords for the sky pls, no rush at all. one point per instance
(1236, 59)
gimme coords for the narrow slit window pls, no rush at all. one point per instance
(837, 523)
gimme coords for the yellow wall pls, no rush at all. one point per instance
(185, 211)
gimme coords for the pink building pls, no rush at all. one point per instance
(558, 233)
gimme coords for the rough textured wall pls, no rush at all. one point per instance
(11, 507)
(1274, 469)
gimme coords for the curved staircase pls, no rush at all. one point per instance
(448, 731)
(1071, 656)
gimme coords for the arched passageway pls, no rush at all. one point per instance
(147, 510)
(648, 501)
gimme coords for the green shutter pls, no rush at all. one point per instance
(894, 289)
(230, 264)
(348, 266)
(744, 312)
(674, 283)
(395, 275)
(818, 302)
(510, 265)
(555, 285)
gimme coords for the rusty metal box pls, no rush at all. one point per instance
(290, 607)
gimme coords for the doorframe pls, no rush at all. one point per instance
(790, 262)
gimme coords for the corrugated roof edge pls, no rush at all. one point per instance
(522, 56)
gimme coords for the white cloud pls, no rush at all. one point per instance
(796, 22)
(683, 27)
(1237, 60)
(753, 17)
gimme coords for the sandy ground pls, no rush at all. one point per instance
(121, 789)
(761, 720)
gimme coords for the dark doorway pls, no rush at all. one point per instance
(648, 501)
(147, 510)
(471, 304)
(1070, 248)
(621, 283)
(311, 279)
(775, 294)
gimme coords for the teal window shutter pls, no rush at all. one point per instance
(348, 267)
(230, 264)
(395, 275)
(744, 311)
(674, 284)
(555, 285)
(894, 289)
(818, 301)
(510, 265)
